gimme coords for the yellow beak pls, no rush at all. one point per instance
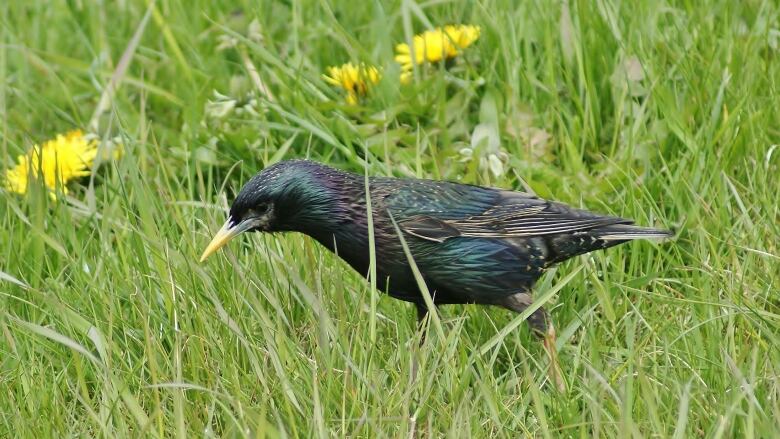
(223, 236)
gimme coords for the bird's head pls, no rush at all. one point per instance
(286, 196)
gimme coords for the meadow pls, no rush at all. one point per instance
(667, 112)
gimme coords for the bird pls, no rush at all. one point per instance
(471, 244)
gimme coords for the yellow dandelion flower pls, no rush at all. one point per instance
(56, 162)
(436, 45)
(356, 80)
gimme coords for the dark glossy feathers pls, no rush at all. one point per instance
(472, 244)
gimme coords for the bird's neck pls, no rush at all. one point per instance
(333, 212)
(348, 238)
(325, 203)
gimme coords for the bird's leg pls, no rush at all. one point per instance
(542, 327)
(422, 313)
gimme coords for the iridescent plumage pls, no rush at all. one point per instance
(471, 244)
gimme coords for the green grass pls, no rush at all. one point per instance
(666, 112)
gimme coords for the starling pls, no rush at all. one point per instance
(471, 244)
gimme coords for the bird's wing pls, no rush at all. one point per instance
(515, 215)
(438, 199)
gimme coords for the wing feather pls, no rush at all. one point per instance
(522, 217)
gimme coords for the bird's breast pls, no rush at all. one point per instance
(351, 244)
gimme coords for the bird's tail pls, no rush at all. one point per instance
(566, 246)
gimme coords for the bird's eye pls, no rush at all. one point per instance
(261, 209)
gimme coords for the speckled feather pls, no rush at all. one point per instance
(472, 244)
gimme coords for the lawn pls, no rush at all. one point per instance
(667, 112)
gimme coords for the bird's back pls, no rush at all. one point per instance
(477, 244)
